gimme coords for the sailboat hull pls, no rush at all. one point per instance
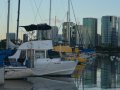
(17, 72)
(54, 68)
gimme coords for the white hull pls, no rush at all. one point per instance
(45, 67)
(54, 67)
(17, 72)
(65, 72)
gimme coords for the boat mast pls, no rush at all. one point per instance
(18, 20)
(8, 22)
(68, 20)
(50, 13)
(68, 10)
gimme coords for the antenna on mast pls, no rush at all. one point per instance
(8, 22)
(55, 20)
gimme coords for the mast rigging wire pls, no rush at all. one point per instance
(37, 11)
(79, 31)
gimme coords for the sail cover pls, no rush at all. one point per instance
(37, 27)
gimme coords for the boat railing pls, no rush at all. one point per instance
(12, 63)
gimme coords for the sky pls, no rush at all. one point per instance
(37, 11)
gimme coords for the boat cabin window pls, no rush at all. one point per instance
(53, 54)
(39, 54)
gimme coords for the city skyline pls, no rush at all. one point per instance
(37, 11)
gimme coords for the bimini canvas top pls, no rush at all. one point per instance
(37, 27)
(37, 45)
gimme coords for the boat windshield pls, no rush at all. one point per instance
(49, 54)
(53, 54)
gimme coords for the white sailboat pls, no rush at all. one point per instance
(40, 62)
(32, 60)
(14, 72)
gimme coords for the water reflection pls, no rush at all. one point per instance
(17, 85)
(104, 74)
(40, 83)
(50, 83)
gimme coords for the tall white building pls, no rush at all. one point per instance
(67, 31)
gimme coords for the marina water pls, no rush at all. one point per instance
(103, 74)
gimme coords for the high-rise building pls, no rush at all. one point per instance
(68, 32)
(90, 32)
(48, 34)
(53, 34)
(119, 31)
(79, 35)
(109, 31)
(60, 37)
(99, 40)
(12, 36)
